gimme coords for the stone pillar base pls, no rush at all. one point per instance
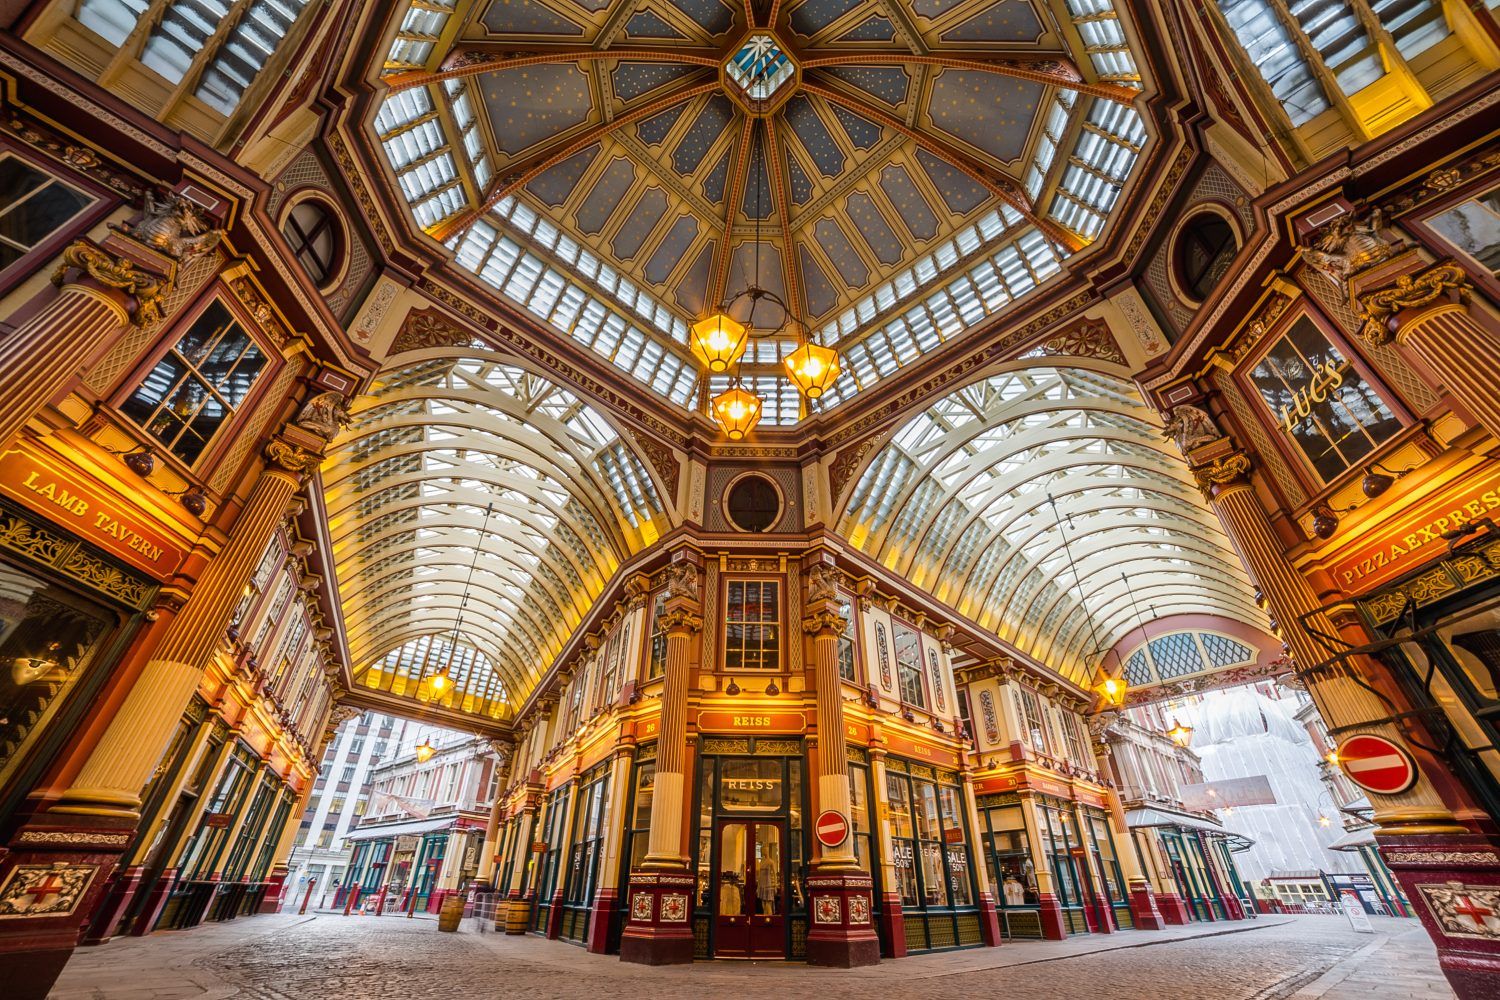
(606, 905)
(275, 893)
(1105, 914)
(659, 923)
(1174, 910)
(1453, 882)
(518, 915)
(53, 875)
(1050, 912)
(892, 926)
(1143, 911)
(989, 920)
(119, 893)
(1234, 908)
(842, 932)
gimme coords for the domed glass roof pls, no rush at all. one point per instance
(896, 170)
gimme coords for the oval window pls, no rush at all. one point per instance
(315, 239)
(1205, 246)
(753, 503)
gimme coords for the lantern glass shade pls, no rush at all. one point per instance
(425, 750)
(1113, 690)
(812, 368)
(718, 341)
(737, 410)
(1180, 734)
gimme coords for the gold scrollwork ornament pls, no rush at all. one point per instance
(148, 290)
(1221, 472)
(1409, 292)
(290, 458)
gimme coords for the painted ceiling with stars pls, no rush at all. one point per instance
(896, 170)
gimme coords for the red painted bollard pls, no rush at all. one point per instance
(307, 895)
(380, 902)
(352, 898)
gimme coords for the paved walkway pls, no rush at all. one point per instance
(327, 957)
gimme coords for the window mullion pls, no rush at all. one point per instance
(211, 45)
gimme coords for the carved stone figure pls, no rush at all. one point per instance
(1348, 244)
(682, 581)
(1190, 427)
(175, 226)
(324, 415)
(822, 583)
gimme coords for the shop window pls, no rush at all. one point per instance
(909, 666)
(1321, 400)
(33, 206)
(316, 239)
(590, 820)
(929, 842)
(1473, 229)
(847, 669)
(859, 816)
(639, 830)
(1008, 857)
(1031, 715)
(1059, 837)
(1205, 246)
(46, 641)
(752, 629)
(196, 388)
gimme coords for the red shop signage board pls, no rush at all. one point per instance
(832, 828)
(1377, 764)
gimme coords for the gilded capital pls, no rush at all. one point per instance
(1409, 292)
(148, 290)
(680, 620)
(1221, 472)
(824, 622)
(290, 458)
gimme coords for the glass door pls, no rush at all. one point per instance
(750, 884)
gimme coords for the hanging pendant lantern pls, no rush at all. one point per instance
(812, 368)
(737, 410)
(718, 342)
(1180, 734)
(425, 750)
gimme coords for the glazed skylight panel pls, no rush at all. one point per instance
(1271, 48)
(1104, 39)
(111, 20)
(1102, 159)
(248, 48)
(552, 297)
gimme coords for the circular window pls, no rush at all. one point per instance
(753, 503)
(1205, 246)
(315, 239)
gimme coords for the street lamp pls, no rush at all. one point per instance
(1180, 734)
(425, 750)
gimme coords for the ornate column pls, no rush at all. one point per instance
(989, 916)
(286, 841)
(839, 891)
(99, 292)
(110, 782)
(1429, 313)
(606, 900)
(659, 930)
(1049, 909)
(517, 910)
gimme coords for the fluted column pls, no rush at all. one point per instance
(98, 294)
(110, 782)
(659, 912)
(1429, 314)
(682, 623)
(824, 623)
(1342, 697)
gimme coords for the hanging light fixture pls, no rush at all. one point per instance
(1180, 734)
(442, 679)
(812, 368)
(425, 750)
(737, 410)
(1112, 688)
(719, 342)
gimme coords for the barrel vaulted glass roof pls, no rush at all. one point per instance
(972, 499)
(440, 439)
(927, 165)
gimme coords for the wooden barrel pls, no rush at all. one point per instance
(451, 913)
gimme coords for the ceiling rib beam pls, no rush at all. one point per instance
(1051, 69)
(519, 174)
(781, 204)
(475, 60)
(734, 196)
(1002, 187)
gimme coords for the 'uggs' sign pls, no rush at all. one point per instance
(1393, 550)
(88, 512)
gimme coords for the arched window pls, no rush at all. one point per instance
(315, 239)
(1205, 246)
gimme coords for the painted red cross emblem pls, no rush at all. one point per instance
(1473, 911)
(48, 886)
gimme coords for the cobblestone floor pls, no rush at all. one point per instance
(329, 957)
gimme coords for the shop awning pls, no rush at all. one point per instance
(1354, 841)
(399, 829)
(1148, 817)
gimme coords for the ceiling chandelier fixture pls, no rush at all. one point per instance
(719, 340)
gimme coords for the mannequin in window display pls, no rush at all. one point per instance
(731, 896)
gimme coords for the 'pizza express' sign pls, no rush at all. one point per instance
(1404, 544)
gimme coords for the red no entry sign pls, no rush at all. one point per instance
(1377, 764)
(832, 828)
